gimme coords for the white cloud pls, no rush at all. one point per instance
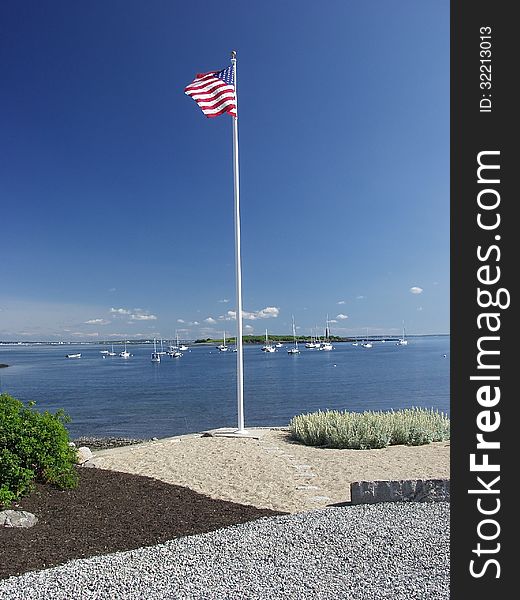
(416, 290)
(420, 308)
(97, 322)
(224, 300)
(193, 323)
(360, 297)
(210, 320)
(341, 302)
(142, 317)
(249, 327)
(331, 321)
(341, 317)
(138, 314)
(121, 311)
(112, 289)
(81, 334)
(269, 312)
(181, 321)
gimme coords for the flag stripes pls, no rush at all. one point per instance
(214, 92)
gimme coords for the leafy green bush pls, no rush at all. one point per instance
(33, 447)
(361, 431)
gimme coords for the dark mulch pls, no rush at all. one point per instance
(110, 511)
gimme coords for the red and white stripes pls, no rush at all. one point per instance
(213, 95)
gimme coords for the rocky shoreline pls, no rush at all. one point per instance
(105, 443)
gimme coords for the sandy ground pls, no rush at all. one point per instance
(268, 470)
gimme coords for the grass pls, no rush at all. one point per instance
(370, 429)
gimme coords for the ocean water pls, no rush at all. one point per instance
(137, 398)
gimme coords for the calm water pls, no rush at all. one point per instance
(137, 398)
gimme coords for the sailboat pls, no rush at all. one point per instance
(156, 356)
(366, 343)
(295, 349)
(111, 353)
(313, 343)
(175, 351)
(268, 347)
(223, 347)
(125, 354)
(402, 341)
(162, 352)
(326, 344)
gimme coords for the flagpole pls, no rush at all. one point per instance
(238, 262)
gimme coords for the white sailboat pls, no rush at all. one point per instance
(156, 356)
(294, 349)
(326, 344)
(125, 354)
(402, 341)
(175, 351)
(162, 352)
(111, 353)
(268, 347)
(366, 343)
(313, 343)
(223, 347)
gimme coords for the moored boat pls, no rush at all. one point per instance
(294, 349)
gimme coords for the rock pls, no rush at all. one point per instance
(17, 518)
(404, 490)
(72, 445)
(84, 454)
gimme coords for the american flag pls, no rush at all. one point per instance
(214, 92)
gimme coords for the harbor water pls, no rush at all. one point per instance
(116, 397)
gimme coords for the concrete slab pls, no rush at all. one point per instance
(232, 432)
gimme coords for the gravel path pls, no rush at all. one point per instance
(364, 552)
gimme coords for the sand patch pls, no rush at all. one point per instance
(272, 471)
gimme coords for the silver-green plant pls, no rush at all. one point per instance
(370, 429)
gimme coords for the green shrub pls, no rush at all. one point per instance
(370, 429)
(33, 447)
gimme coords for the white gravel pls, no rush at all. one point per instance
(363, 552)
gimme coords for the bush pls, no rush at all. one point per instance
(362, 431)
(34, 447)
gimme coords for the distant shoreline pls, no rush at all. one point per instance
(273, 338)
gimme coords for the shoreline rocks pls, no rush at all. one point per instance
(106, 443)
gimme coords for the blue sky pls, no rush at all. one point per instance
(116, 193)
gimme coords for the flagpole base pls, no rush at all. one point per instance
(241, 432)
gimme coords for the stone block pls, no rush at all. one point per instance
(404, 490)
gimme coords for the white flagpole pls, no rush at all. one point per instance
(238, 265)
